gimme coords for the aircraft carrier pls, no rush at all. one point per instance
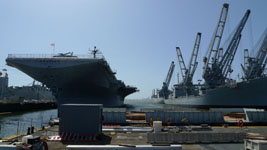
(84, 79)
(219, 90)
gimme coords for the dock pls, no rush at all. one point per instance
(125, 130)
(191, 140)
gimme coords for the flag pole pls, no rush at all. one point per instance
(54, 47)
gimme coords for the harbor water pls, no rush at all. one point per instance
(17, 123)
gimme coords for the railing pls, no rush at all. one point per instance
(59, 56)
(55, 56)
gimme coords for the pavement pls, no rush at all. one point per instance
(141, 138)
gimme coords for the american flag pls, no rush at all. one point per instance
(52, 44)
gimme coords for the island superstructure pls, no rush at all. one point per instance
(83, 79)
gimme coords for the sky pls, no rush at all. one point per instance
(137, 37)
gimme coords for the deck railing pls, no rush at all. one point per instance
(60, 55)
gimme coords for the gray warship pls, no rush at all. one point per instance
(84, 79)
(31, 92)
(219, 90)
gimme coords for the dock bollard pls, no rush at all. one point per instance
(32, 129)
(28, 130)
(157, 125)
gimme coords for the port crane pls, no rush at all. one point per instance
(210, 62)
(216, 70)
(254, 66)
(187, 74)
(164, 91)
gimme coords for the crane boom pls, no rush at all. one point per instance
(254, 66)
(263, 65)
(181, 62)
(232, 47)
(165, 92)
(217, 73)
(263, 48)
(193, 61)
(216, 40)
(261, 56)
(231, 56)
(169, 75)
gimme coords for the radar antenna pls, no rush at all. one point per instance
(95, 52)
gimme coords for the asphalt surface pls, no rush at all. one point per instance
(141, 138)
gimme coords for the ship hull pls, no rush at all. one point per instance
(246, 94)
(79, 81)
